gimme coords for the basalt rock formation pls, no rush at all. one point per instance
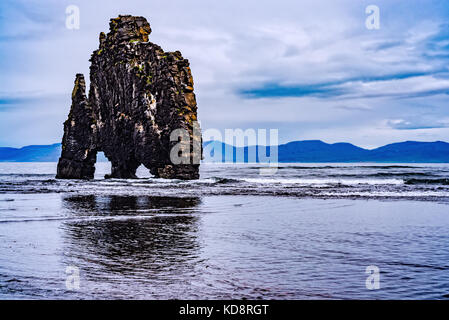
(138, 96)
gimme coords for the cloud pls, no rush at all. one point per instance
(312, 71)
(399, 85)
(21, 99)
(31, 20)
(417, 124)
(357, 107)
(278, 90)
(360, 66)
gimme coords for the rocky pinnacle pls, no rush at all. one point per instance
(138, 96)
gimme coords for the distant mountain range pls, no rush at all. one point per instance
(319, 151)
(42, 153)
(45, 153)
(296, 151)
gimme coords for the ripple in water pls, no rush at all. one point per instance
(309, 232)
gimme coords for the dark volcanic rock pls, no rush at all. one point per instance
(138, 96)
(78, 157)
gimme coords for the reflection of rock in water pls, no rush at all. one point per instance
(132, 234)
(129, 205)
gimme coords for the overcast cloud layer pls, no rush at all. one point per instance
(309, 68)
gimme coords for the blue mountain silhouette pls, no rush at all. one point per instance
(295, 151)
(319, 151)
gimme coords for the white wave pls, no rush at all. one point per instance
(326, 181)
(387, 194)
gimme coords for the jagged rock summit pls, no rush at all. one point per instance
(138, 96)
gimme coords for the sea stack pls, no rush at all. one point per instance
(138, 96)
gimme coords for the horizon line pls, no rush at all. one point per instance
(307, 140)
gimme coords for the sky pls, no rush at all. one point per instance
(311, 69)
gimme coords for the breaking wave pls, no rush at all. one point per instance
(417, 182)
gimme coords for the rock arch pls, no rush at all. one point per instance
(138, 95)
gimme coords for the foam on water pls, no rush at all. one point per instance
(326, 181)
(418, 181)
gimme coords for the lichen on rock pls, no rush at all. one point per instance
(138, 95)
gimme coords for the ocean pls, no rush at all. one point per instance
(306, 231)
